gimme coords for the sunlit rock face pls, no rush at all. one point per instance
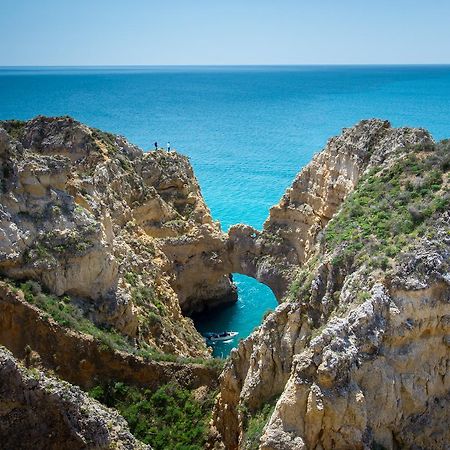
(125, 233)
(357, 353)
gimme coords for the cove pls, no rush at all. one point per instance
(255, 299)
(247, 130)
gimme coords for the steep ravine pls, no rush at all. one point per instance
(113, 248)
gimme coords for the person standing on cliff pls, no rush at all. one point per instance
(156, 145)
(168, 146)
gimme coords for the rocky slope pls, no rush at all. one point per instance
(105, 249)
(357, 354)
(125, 234)
(290, 232)
(32, 335)
(41, 412)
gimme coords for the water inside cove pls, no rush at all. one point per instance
(255, 299)
(247, 130)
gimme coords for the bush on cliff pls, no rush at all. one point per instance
(390, 207)
(254, 424)
(170, 418)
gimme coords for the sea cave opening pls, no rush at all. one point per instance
(254, 300)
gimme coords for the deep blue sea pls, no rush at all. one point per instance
(248, 130)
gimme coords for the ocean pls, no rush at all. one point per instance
(247, 130)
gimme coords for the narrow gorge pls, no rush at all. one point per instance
(106, 251)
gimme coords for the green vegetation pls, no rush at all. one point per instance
(170, 418)
(386, 212)
(144, 295)
(53, 245)
(391, 207)
(175, 223)
(107, 139)
(272, 238)
(131, 278)
(255, 424)
(68, 315)
(302, 282)
(15, 128)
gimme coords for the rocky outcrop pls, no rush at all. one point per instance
(200, 269)
(289, 235)
(44, 413)
(126, 234)
(347, 352)
(80, 358)
(370, 378)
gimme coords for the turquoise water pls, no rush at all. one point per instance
(247, 130)
(254, 300)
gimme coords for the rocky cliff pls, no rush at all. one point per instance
(125, 234)
(105, 249)
(41, 412)
(356, 355)
(86, 360)
(289, 235)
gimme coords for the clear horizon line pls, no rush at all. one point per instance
(222, 65)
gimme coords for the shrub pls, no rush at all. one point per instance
(388, 208)
(142, 295)
(170, 418)
(131, 278)
(15, 128)
(255, 425)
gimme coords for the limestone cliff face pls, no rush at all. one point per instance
(45, 413)
(290, 232)
(357, 353)
(357, 252)
(124, 233)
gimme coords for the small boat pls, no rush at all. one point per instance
(223, 336)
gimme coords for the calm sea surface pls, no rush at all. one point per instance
(247, 130)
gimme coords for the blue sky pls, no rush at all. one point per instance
(132, 32)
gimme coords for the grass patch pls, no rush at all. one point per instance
(170, 418)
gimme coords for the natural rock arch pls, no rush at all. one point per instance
(291, 233)
(251, 253)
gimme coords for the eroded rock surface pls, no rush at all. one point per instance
(126, 234)
(40, 412)
(357, 354)
(289, 235)
(81, 359)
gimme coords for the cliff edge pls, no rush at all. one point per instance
(124, 235)
(357, 353)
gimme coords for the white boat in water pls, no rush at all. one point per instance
(224, 336)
